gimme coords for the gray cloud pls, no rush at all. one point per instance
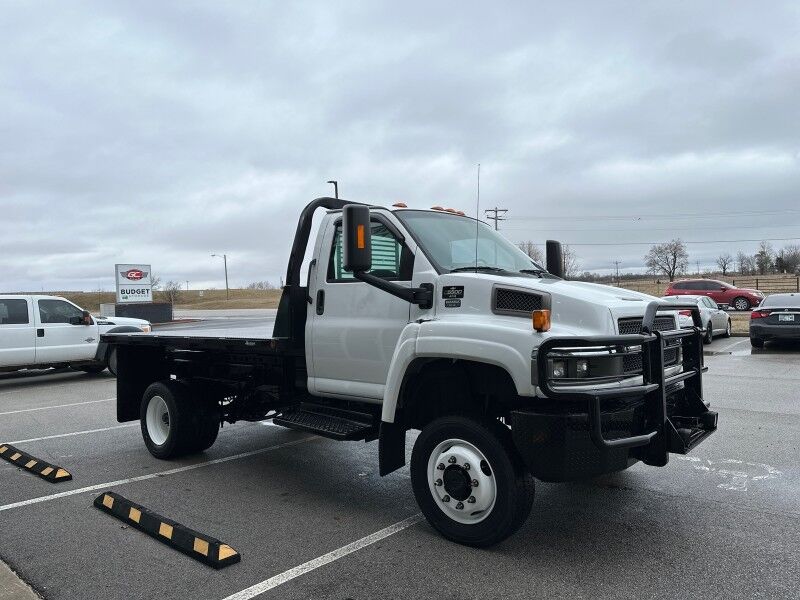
(163, 132)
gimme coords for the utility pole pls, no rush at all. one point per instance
(335, 187)
(224, 257)
(698, 266)
(187, 285)
(497, 215)
(616, 263)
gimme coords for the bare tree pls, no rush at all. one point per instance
(724, 262)
(571, 262)
(172, 291)
(532, 250)
(156, 283)
(765, 258)
(260, 285)
(790, 258)
(669, 258)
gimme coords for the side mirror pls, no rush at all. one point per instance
(84, 319)
(356, 237)
(554, 258)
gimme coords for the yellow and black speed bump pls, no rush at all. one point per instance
(52, 473)
(197, 545)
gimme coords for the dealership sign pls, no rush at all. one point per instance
(134, 283)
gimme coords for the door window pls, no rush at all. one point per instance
(57, 311)
(390, 258)
(14, 312)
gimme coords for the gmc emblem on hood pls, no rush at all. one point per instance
(134, 274)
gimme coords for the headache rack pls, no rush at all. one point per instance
(677, 419)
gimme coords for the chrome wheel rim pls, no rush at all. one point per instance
(461, 481)
(158, 421)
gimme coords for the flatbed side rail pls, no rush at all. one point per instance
(664, 436)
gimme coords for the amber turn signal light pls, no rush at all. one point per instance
(541, 320)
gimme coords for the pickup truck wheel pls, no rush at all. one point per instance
(469, 480)
(165, 421)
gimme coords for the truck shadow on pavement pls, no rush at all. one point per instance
(44, 377)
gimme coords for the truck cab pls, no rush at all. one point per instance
(429, 320)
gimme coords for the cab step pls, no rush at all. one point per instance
(337, 424)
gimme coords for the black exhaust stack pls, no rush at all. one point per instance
(555, 258)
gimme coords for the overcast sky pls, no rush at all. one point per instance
(162, 132)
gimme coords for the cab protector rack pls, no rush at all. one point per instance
(675, 422)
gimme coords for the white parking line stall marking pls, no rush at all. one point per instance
(734, 473)
(25, 410)
(325, 559)
(63, 435)
(99, 486)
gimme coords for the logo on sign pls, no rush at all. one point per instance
(134, 274)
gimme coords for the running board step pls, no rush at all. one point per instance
(328, 422)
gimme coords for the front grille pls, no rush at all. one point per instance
(634, 325)
(515, 301)
(632, 363)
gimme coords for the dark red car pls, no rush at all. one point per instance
(719, 291)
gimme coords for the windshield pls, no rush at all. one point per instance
(450, 242)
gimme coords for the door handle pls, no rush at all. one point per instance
(320, 302)
(40, 332)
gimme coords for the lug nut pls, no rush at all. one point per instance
(438, 482)
(460, 506)
(451, 460)
(446, 499)
(474, 483)
(471, 499)
(466, 466)
(440, 466)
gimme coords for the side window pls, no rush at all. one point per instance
(711, 303)
(14, 312)
(390, 259)
(679, 286)
(57, 311)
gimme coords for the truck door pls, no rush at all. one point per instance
(57, 340)
(355, 326)
(17, 334)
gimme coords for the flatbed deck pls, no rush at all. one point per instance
(267, 346)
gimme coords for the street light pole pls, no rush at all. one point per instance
(335, 187)
(224, 257)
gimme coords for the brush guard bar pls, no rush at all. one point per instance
(679, 430)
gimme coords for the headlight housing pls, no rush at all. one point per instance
(147, 328)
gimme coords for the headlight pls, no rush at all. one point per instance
(582, 368)
(559, 369)
(593, 366)
(146, 328)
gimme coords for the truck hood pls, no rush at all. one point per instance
(577, 307)
(108, 322)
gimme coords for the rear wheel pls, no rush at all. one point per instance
(112, 361)
(756, 342)
(741, 303)
(469, 480)
(709, 337)
(173, 424)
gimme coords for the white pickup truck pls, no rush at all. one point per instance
(429, 320)
(37, 332)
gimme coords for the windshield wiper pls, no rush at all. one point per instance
(477, 268)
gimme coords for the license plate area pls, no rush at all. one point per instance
(786, 318)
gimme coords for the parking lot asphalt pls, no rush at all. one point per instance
(312, 518)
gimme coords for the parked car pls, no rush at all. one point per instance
(38, 332)
(715, 320)
(719, 291)
(778, 317)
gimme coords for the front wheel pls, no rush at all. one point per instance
(741, 303)
(728, 329)
(709, 337)
(469, 480)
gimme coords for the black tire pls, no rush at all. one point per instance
(513, 482)
(112, 362)
(709, 336)
(741, 303)
(91, 369)
(756, 342)
(192, 427)
(728, 328)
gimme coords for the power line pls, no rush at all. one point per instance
(634, 217)
(791, 239)
(676, 228)
(497, 215)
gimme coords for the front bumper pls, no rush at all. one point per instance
(577, 433)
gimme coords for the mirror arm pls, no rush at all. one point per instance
(423, 295)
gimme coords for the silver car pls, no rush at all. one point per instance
(715, 320)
